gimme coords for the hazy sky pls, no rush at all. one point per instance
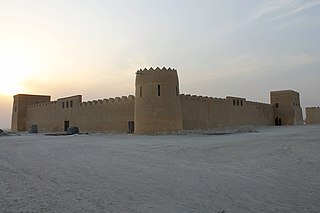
(93, 47)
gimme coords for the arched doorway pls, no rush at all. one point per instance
(277, 121)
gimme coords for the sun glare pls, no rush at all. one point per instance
(16, 65)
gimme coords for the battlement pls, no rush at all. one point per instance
(123, 99)
(228, 99)
(46, 104)
(260, 103)
(116, 100)
(313, 108)
(195, 97)
(200, 98)
(151, 69)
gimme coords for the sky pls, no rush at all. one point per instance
(242, 48)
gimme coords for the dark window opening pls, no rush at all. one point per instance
(277, 105)
(158, 90)
(66, 125)
(241, 103)
(62, 104)
(15, 108)
(140, 91)
(234, 102)
(71, 104)
(177, 90)
(67, 104)
(237, 102)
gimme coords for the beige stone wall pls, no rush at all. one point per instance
(203, 113)
(287, 106)
(50, 116)
(160, 113)
(313, 115)
(108, 115)
(43, 115)
(157, 106)
(19, 113)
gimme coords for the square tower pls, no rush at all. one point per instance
(20, 104)
(286, 104)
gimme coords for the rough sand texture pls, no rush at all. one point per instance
(274, 170)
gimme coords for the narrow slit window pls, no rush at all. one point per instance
(158, 90)
(237, 102)
(71, 104)
(67, 104)
(234, 102)
(241, 103)
(140, 91)
(177, 90)
(62, 104)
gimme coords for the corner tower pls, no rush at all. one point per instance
(19, 110)
(157, 103)
(287, 110)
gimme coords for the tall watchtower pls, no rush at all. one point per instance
(20, 103)
(287, 109)
(157, 102)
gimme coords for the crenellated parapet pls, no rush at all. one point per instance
(108, 101)
(257, 103)
(46, 104)
(204, 98)
(151, 69)
(313, 108)
(195, 97)
(115, 100)
(229, 99)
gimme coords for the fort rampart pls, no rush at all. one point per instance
(157, 107)
(313, 115)
(107, 115)
(199, 113)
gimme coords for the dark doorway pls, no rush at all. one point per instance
(277, 121)
(66, 125)
(131, 127)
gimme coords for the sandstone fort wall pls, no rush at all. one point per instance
(107, 115)
(202, 113)
(313, 115)
(113, 114)
(157, 107)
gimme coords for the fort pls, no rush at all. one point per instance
(157, 107)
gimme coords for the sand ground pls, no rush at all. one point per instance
(276, 169)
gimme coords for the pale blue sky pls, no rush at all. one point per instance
(93, 47)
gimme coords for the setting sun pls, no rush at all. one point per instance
(16, 65)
